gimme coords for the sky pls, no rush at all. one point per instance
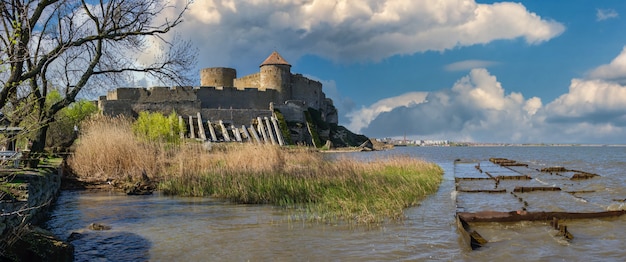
(461, 70)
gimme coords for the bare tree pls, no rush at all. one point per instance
(74, 46)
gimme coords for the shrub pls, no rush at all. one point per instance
(156, 127)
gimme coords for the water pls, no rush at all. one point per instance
(160, 228)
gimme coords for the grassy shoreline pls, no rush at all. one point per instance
(299, 178)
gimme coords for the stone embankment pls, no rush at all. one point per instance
(25, 196)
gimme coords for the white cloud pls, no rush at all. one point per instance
(227, 32)
(614, 71)
(604, 14)
(593, 101)
(468, 65)
(361, 118)
(477, 108)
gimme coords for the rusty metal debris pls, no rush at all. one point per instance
(545, 194)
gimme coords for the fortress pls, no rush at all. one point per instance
(222, 96)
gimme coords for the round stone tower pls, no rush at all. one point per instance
(218, 76)
(276, 74)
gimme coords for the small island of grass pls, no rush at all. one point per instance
(321, 187)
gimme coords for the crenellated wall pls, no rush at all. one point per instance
(223, 96)
(249, 81)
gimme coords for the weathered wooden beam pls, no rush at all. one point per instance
(211, 131)
(472, 238)
(524, 189)
(192, 132)
(482, 190)
(246, 133)
(201, 132)
(261, 128)
(515, 216)
(237, 134)
(279, 134)
(270, 131)
(254, 135)
(181, 122)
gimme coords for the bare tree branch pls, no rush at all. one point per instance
(67, 44)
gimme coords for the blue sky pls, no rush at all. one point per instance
(463, 70)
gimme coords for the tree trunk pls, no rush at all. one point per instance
(40, 139)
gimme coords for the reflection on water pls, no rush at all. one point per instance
(159, 228)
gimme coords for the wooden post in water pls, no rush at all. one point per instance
(192, 132)
(224, 131)
(201, 128)
(269, 130)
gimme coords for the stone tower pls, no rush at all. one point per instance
(218, 76)
(276, 74)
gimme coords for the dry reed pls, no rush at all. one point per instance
(107, 149)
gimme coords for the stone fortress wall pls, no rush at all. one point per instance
(223, 96)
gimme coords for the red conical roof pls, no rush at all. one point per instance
(275, 59)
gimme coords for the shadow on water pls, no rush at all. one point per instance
(73, 213)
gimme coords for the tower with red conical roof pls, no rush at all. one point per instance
(276, 74)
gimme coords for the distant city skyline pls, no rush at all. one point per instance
(459, 70)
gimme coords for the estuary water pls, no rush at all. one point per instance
(162, 228)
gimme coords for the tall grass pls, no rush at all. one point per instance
(107, 149)
(344, 189)
(301, 178)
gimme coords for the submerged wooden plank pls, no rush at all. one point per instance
(483, 190)
(471, 238)
(522, 189)
(536, 194)
(515, 216)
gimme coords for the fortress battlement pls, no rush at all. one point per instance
(223, 96)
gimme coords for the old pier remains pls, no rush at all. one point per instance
(502, 191)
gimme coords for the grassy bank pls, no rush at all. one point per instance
(299, 178)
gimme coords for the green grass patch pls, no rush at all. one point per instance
(362, 192)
